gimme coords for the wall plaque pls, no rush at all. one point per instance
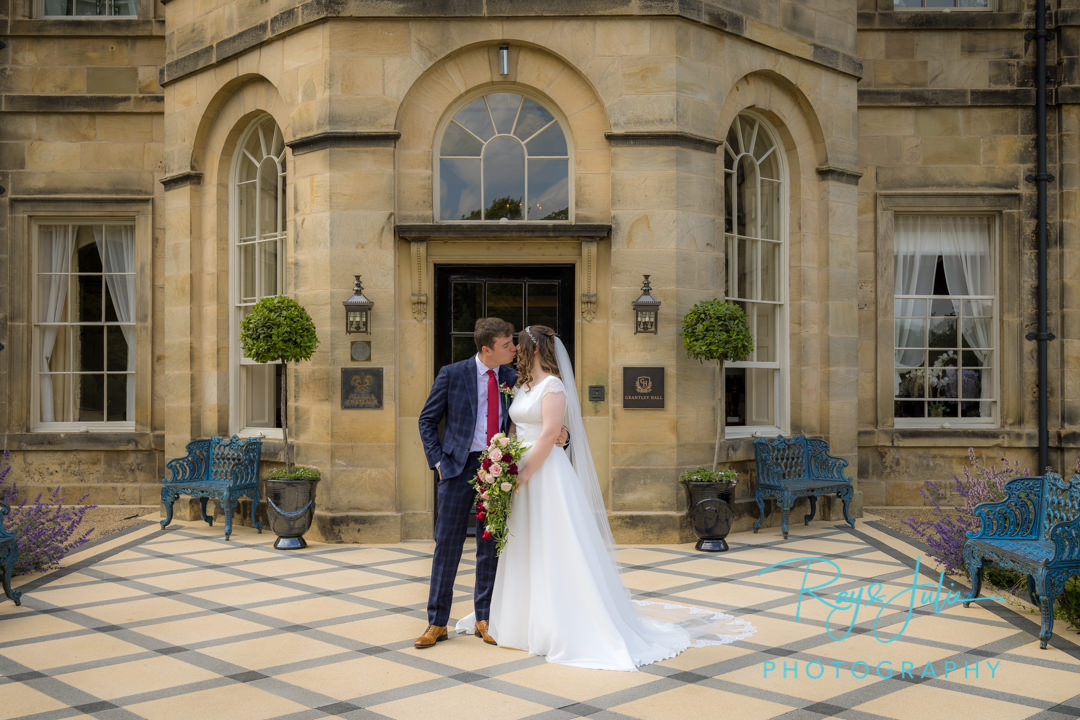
(643, 387)
(361, 388)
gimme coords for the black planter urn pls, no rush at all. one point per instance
(709, 507)
(290, 507)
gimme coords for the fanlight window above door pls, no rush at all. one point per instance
(504, 157)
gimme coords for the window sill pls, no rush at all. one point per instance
(109, 439)
(87, 26)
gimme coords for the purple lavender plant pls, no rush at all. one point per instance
(43, 530)
(955, 510)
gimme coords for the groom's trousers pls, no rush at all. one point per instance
(455, 498)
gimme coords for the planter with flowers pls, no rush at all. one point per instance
(278, 329)
(708, 501)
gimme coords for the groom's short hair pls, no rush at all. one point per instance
(487, 329)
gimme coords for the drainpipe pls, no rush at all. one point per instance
(1041, 177)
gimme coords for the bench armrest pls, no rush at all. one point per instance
(822, 464)
(1066, 538)
(192, 466)
(1015, 517)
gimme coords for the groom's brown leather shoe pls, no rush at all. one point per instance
(482, 632)
(432, 635)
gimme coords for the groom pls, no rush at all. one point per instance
(468, 396)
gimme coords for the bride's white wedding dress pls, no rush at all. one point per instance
(558, 592)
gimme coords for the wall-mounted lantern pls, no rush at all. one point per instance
(504, 60)
(646, 310)
(358, 310)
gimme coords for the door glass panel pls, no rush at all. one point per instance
(543, 305)
(468, 304)
(506, 300)
(463, 347)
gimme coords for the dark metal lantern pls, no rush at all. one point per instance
(646, 310)
(358, 310)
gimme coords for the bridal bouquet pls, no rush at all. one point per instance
(495, 482)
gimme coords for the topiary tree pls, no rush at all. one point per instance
(717, 330)
(278, 329)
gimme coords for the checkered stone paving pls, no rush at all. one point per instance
(182, 624)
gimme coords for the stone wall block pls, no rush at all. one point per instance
(633, 489)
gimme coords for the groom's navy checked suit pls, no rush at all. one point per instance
(454, 399)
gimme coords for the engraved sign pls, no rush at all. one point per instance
(643, 387)
(361, 388)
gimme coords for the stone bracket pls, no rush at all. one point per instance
(418, 259)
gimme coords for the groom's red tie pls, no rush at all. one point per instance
(492, 406)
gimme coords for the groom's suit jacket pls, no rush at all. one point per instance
(453, 398)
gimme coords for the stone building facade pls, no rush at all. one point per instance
(171, 162)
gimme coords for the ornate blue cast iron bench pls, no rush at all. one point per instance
(217, 468)
(9, 553)
(1035, 530)
(789, 468)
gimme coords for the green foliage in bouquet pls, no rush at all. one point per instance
(278, 329)
(495, 483)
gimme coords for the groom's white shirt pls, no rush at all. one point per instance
(479, 441)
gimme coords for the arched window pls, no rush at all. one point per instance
(257, 230)
(756, 241)
(504, 156)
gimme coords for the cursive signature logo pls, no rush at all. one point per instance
(853, 600)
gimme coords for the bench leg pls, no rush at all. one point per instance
(167, 498)
(785, 513)
(7, 560)
(1050, 584)
(208, 518)
(228, 504)
(254, 507)
(761, 510)
(846, 497)
(813, 510)
(974, 564)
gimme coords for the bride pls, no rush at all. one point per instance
(557, 589)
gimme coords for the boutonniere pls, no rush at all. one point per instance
(507, 390)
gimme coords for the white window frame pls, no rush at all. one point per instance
(437, 156)
(40, 12)
(36, 423)
(994, 419)
(237, 382)
(782, 383)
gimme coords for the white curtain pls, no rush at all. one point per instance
(117, 254)
(915, 262)
(56, 245)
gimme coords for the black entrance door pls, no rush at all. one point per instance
(520, 294)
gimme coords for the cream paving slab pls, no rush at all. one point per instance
(139, 567)
(49, 654)
(385, 629)
(294, 567)
(138, 676)
(193, 579)
(956, 625)
(313, 609)
(247, 593)
(464, 652)
(639, 581)
(732, 595)
(411, 593)
(694, 658)
(85, 593)
(236, 702)
(21, 700)
(29, 624)
(462, 702)
(867, 648)
(354, 678)
(271, 651)
(693, 701)
(338, 579)
(574, 683)
(1019, 678)
(210, 626)
(411, 568)
(915, 703)
(778, 632)
(137, 609)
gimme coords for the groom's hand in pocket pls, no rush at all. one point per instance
(564, 438)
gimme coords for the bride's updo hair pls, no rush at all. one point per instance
(531, 339)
